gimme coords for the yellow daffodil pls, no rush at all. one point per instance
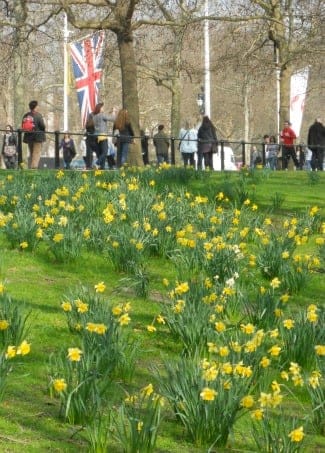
(11, 352)
(220, 326)
(59, 385)
(247, 328)
(4, 324)
(58, 237)
(258, 414)
(320, 349)
(160, 319)
(74, 354)
(297, 435)
(124, 320)
(210, 374)
(275, 283)
(247, 402)
(274, 350)
(288, 323)
(265, 362)
(100, 287)
(24, 348)
(151, 328)
(148, 390)
(208, 394)
(66, 306)
(117, 310)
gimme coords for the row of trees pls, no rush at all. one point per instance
(154, 59)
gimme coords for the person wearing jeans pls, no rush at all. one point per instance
(124, 132)
(36, 137)
(100, 124)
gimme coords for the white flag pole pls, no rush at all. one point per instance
(207, 87)
(66, 75)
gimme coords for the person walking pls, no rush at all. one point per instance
(161, 143)
(308, 158)
(288, 138)
(272, 150)
(207, 138)
(256, 157)
(144, 147)
(300, 153)
(101, 132)
(123, 136)
(69, 150)
(34, 127)
(316, 143)
(111, 155)
(188, 144)
(9, 148)
(91, 142)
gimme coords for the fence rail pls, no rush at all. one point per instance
(240, 148)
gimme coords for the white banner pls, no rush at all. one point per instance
(298, 89)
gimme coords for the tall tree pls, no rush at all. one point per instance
(294, 27)
(117, 17)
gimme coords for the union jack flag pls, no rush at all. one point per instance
(87, 68)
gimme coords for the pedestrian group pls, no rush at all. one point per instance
(196, 145)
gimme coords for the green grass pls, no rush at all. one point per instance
(29, 419)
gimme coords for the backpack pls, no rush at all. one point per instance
(28, 123)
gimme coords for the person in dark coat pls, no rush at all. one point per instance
(35, 138)
(207, 140)
(161, 143)
(316, 143)
(68, 149)
(91, 142)
(144, 147)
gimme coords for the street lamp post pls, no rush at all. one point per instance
(207, 87)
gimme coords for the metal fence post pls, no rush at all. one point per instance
(243, 153)
(172, 151)
(263, 152)
(222, 155)
(57, 149)
(20, 147)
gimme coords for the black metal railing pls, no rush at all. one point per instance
(241, 149)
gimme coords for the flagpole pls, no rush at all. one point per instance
(66, 73)
(207, 86)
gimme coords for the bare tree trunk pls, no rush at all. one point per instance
(285, 78)
(130, 92)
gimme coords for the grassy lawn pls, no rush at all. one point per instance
(39, 281)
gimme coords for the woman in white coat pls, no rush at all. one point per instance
(188, 144)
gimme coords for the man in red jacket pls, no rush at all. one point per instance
(288, 138)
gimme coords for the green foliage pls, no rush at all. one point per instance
(165, 230)
(206, 406)
(13, 320)
(277, 200)
(5, 368)
(138, 421)
(300, 340)
(316, 390)
(271, 434)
